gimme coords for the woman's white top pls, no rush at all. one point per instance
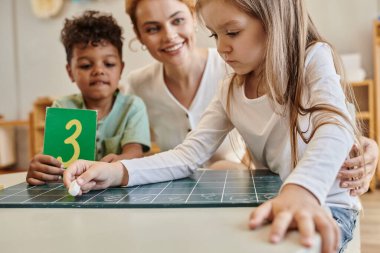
(169, 120)
(268, 137)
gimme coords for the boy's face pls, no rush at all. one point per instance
(96, 70)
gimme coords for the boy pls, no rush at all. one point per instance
(93, 44)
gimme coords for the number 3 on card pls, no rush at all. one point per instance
(72, 140)
(70, 134)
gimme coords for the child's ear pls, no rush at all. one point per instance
(69, 72)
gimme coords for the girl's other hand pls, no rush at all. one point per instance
(296, 208)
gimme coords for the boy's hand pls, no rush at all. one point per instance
(356, 174)
(92, 175)
(43, 169)
(110, 158)
(130, 151)
(295, 207)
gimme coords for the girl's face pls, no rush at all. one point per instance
(96, 70)
(240, 38)
(166, 28)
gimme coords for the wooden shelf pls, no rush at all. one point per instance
(14, 123)
(376, 90)
(364, 94)
(366, 112)
(37, 124)
(363, 115)
(8, 153)
(361, 84)
(40, 126)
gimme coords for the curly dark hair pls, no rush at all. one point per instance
(93, 27)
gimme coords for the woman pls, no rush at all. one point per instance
(178, 88)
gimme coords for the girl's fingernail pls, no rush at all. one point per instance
(275, 238)
(80, 181)
(308, 242)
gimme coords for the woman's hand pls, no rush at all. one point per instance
(43, 169)
(296, 208)
(356, 173)
(92, 175)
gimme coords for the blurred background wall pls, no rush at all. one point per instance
(32, 59)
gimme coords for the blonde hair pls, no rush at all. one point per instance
(290, 32)
(131, 6)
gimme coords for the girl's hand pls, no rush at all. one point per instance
(92, 175)
(43, 169)
(356, 174)
(296, 208)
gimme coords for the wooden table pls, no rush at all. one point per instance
(222, 230)
(14, 122)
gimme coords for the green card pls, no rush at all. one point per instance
(70, 134)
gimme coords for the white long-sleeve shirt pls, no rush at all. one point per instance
(169, 120)
(267, 136)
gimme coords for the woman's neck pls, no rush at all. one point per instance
(183, 80)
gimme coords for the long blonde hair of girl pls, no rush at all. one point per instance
(290, 32)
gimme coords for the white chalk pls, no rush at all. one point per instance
(74, 188)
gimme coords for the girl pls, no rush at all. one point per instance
(287, 102)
